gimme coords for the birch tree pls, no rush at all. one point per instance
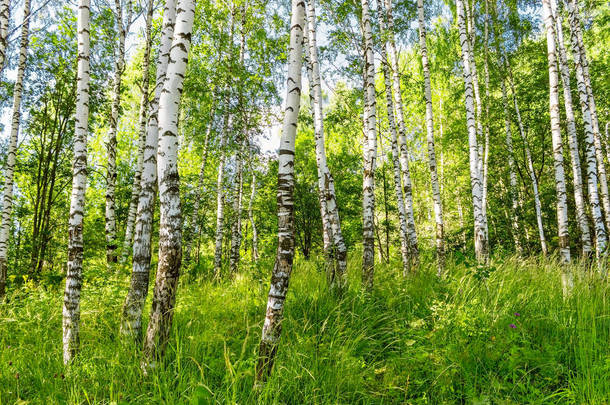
(581, 214)
(480, 234)
(582, 74)
(282, 269)
(370, 152)
(402, 216)
(71, 305)
(562, 206)
(436, 194)
(326, 184)
(251, 213)
(9, 170)
(142, 122)
(170, 228)
(5, 9)
(131, 324)
(111, 143)
(237, 210)
(220, 199)
(590, 147)
(402, 137)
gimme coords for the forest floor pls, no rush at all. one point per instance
(509, 337)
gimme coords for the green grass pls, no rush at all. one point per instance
(416, 340)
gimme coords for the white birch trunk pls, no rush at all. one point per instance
(282, 269)
(220, 199)
(135, 193)
(9, 170)
(134, 302)
(251, 216)
(170, 229)
(530, 162)
(579, 199)
(580, 60)
(562, 206)
(402, 216)
(480, 234)
(237, 211)
(402, 139)
(370, 152)
(5, 8)
(111, 143)
(436, 194)
(590, 148)
(71, 306)
(326, 184)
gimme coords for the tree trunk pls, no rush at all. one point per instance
(170, 229)
(111, 145)
(528, 155)
(579, 199)
(236, 235)
(326, 184)
(194, 220)
(220, 199)
(562, 206)
(5, 10)
(134, 302)
(590, 147)
(402, 216)
(436, 194)
(480, 234)
(71, 306)
(370, 152)
(135, 193)
(251, 215)
(280, 277)
(582, 65)
(9, 171)
(402, 139)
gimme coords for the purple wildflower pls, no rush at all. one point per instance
(512, 325)
(517, 314)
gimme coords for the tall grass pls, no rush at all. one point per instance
(506, 336)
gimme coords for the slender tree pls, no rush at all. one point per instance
(436, 194)
(9, 171)
(480, 234)
(402, 215)
(370, 152)
(582, 71)
(255, 254)
(237, 210)
(111, 143)
(71, 306)
(5, 10)
(326, 183)
(137, 179)
(402, 137)
(134, 302)
(579, 199)
(562, 206)
(220, 198)
(282, 269)
(170, 229)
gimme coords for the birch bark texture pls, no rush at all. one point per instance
(591, 155)
(370, 152)
(71, 305)
(251, 213)
(402, 215)
(402, 139)
(282, 269)
(560, 185)
(436, 193)
(579, 199)
(111, 143)
(170, 229)
(5, 10)
(9, 171)
(480, 234)
(142, 125)
(220, 198)
(131, 325)
(326, 185)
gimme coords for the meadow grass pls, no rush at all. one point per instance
(506, 335)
